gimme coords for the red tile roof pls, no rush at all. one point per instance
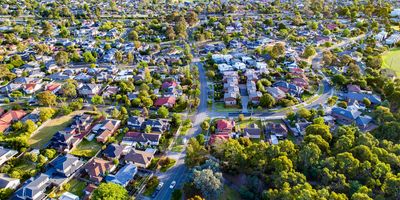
(165, 101)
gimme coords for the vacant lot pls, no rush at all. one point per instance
(391, 60)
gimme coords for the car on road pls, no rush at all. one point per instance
(172, 185)
(160, 186)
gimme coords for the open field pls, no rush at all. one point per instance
(391, 60)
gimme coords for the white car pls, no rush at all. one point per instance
(172, 185)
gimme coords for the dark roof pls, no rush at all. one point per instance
(113, 151)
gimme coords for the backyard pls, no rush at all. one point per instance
(87, 148)
(391, 60)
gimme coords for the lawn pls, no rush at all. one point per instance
(46, 132)
(75, 187)
(229, 194)
(87, 148)
(220, 107)
(391, 60)
(247, 122)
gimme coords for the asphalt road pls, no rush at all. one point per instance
(179, 173)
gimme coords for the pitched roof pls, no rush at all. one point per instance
(98, 167)
(224, 124)
(124, 175)
(12, 115)
(113, 151)
(165, 100)
(139, 157)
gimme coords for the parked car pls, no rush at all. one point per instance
(172, 185)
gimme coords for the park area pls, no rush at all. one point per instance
(391, 60)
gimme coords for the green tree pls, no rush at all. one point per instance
(163, 112)
(205, 125)
(195, 153)
(267, 101)
(47, 98)
(97, 100)
(278, 50)
(110, 191)
(62, 58)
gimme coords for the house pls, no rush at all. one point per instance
(252, 131)
(143, 139)
(8, 182)
(135, 122)
(351, 96)
(110, 91)
(157, 125)
(219, 136)
(113, 151)
(53, 87)
(10, 117)
(139, 158)
(88, 191)
(34, 188)
(63, 141)
(124, 175)
(89, 90)
(275, 92)
(288, 88)
(225, 126)
(346, 116)
(6, 154)
(68, 196)
(353, 88)
(107, 129)
(168, 102)
(98, 168)
(277, 129)
(31, 88)
(64, 166)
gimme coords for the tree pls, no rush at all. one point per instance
(278, 50)
(267, 101)
(170, 33)
(62, 58)
(304, 113)
(309, 51)
(374, 62)
(209, 183)
(47, 29)
(133, 35)
(163, 112)
(205, 125)
(46, 113)
(47, 98)
(148, 129)
(195, 153)
(192, 18)
(180, 27)
(118, 56)
(97, 100)
(110, 191)
(88, 57)
(319, 129)
(64, 32)
(69, 88)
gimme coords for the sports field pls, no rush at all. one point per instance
(391, 60)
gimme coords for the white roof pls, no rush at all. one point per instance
(68, 196)
(274, 139)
